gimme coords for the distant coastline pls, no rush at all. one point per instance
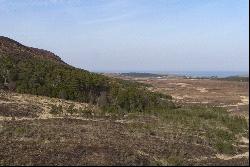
(219, 74)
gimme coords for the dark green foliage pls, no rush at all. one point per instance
(44, 77)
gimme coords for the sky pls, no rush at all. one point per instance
(134, 35)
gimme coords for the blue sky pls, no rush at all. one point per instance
(134, 35)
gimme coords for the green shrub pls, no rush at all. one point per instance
(71, 109)
(224, 147)
(85, 112)
(56, 109)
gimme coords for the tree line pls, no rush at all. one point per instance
(43, 77)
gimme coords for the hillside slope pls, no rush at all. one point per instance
(10, 47)
(38, 130)
(28, 70)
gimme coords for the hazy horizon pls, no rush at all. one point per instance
(221, 74)
(134, 36)
(155, 71)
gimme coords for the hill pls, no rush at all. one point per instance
(29, 70)
(54, 114)
(12, 48)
